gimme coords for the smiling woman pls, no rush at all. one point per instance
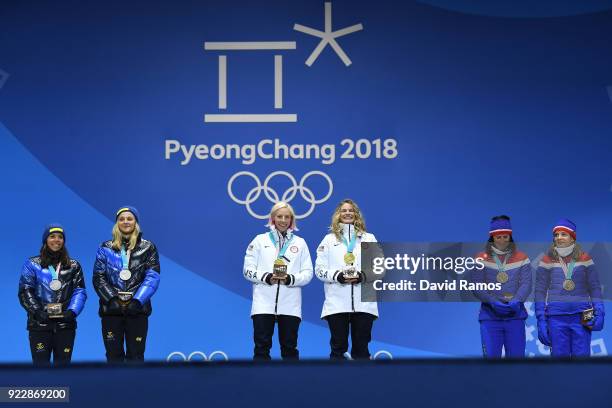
(338, 265)
(52, 291)
(126, 276)
(568, 295)
(278, 264)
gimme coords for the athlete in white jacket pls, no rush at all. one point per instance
(277, 299)
(343, 307)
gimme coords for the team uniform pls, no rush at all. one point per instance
(568, 298)
(277, 302)
(343, 308)
(562, 309)
(42, 289)
(502, 313)
(119, 320)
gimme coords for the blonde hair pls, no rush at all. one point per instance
(359, 222)
(278, 206)
(118, 237)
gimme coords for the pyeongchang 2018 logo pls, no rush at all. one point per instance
(310, 186)
(262, 187)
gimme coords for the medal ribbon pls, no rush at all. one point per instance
(567, 270)
(54, 274)
(281, 251)
(125, 258)
(501, 267)
(350, 246)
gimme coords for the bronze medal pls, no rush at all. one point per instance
(502, 277)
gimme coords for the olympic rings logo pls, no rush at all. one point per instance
(375, 356)
(191, 356)
(273, 196)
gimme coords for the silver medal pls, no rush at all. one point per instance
(55, 285)
(125, 274)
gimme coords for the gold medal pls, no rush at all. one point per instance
(349, 258)
(569, 285)
(502, 277)
(280, 268)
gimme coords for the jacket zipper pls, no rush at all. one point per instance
(280, 237)
(352, 284)
(276, 301)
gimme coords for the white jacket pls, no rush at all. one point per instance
(277, 299)
(341, 298)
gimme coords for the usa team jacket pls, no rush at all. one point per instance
(550, 297)
(339, 297)
(277, 299)
(35, 293)
(517, 288)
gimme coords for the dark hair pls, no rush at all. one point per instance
(48, 257)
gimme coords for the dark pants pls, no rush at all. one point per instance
(132, 330)
(58, 342)
(263, 329)
(509, 334)
(361, 334)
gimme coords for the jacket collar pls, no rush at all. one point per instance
(276, 233)
(348, 231)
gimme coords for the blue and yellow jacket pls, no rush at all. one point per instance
(34, 292)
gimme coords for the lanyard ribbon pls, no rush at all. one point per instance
(350, 246)
(125, 258)
(281, 251)
(567, 270)
(54, 274)
(501, 266)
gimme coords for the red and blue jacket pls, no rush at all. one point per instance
(553, 300)
(517, 288)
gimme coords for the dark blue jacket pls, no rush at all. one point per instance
(35, 293)
(145, 269)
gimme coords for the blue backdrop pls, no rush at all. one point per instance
(440, 113)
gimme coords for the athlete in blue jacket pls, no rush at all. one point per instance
(502, 313)
(52, 291)
(568, 296)
(126, 276)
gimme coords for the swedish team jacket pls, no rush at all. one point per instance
(145, 269)
(35, 293)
